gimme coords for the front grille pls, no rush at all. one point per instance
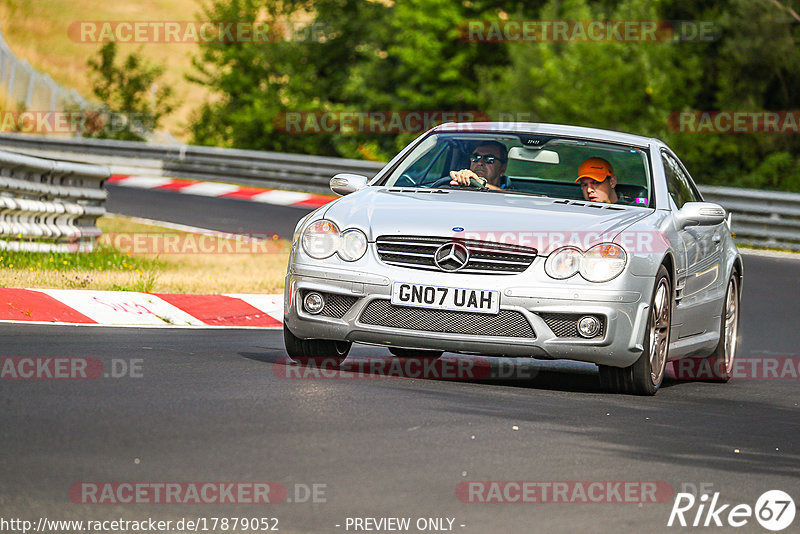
(566, 324)
(485, 257)
(335, 305)
(507, 323)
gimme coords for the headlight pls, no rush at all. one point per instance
(603, 262)
(298, 228)
(563, 263)
(321, 239)
(353, 244)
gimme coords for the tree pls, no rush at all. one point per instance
(755, 68)
(374, 56)
(133, 100)
(412, 55)
(628, 86)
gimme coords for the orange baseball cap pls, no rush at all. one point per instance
(595, 168)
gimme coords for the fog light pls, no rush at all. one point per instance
(313, 302)
(588, 326)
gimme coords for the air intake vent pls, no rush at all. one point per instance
(589, 205)
(507, 323)
(335, 305)
(485, 257)
(419, 191)
(566, 324)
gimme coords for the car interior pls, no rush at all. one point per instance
(537, 165)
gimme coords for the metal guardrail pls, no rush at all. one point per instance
(249, 167)
(49, 206)
(768, 219)
(760, 218)
(27, 87)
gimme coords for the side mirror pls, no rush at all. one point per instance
(344, 184)
(700, 214)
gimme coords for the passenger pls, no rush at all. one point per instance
(487, 166)
(597, 180)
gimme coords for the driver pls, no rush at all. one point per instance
(488, 163)
(597, 180)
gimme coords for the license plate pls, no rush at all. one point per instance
(446, 298)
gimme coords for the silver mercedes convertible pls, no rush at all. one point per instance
(518, 239)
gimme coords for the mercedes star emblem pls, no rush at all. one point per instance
(451, 256)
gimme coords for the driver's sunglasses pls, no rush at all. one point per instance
(487, 158)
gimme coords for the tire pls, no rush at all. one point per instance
(416, 353)
(645, 376)
(719, 366)
(302, 350)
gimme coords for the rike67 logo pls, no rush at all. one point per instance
(774, 510)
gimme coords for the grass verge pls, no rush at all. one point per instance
(132, 256)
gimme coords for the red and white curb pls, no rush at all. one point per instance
(220, 190)
(126, 308)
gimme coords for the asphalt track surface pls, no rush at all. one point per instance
(210, 405)
(220, 214)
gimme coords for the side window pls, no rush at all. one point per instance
(696, 197)
(437, 169)
(427, 168)
(678, 184)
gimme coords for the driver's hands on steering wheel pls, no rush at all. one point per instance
(466, 178)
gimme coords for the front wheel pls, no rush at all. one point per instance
(302, 350)
(644, 377)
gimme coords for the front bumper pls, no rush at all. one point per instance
(623, 311)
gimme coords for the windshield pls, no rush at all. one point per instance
(530, 164)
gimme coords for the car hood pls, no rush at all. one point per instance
(486, 216)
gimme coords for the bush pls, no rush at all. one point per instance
(779, 171)
(133, 100)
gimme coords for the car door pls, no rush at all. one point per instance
(696, 299)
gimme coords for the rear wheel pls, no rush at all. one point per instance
(644, 377)
(302, 350)
(415, 353)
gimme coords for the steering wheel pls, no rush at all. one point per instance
(445, 182)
